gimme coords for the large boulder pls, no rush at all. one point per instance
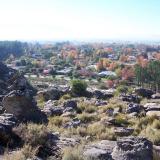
(7, 137)
(5, 74)
(147, 93)
(73, 124)
(153, 113)
(133, 107)
(50, 109)
(70, 106)
(125, 148)
(53, 111)
(122, 131)
(21, 105)
(130, 98)
(53, 93)
(133, 148)
(156, 96)
(99, 151)
(102, 94)
(152, 107)
(50, 94)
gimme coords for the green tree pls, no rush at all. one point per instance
(78, 87)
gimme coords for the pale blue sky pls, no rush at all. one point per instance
(79, 19)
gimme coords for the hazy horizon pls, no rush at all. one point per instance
(81, 20)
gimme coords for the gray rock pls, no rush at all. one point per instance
(53, 111)
(156, 96)
(101, 94)
(68, 114)
(67, 142)
(133, 114)
(122, 131)
(7, 122)
(99, 151)
(132, 107)
(133, 148)
(130, 98)
(21, 105)
(50, 94)
(109, 112)
(70, 104)
(152, 107)
(100, 103)
(73, 124)
(144, 92)
(126, 148)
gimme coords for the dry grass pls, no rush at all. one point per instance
(85, 107)
(32, 134)
(58, 120)
(152, 134)
(26, 152)
(87, 118)
(73, 154)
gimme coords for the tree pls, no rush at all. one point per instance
(123, 58)
(148, 75)
(127, 73)
(78, 87)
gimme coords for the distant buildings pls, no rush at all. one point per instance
(106, 73)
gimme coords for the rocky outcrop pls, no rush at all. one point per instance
(101, 94)
(53, 93)
(126, 148)
(73, 124)
(156, 96)
(152, 109)
(55, 145)
(5, 74)
(70, 106)
(130, 98)
(133, 148)
(21, 105)
(147, 93)
(122, 131)
(51, 109)
(133, 107)
(100, 151)
(7, 137)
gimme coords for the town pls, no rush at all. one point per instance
(80, 101)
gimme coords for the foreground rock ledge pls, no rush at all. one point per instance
(21, 105)
(126, 148)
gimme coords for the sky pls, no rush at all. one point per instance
(79, 19)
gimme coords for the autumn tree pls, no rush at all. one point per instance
(127, 73)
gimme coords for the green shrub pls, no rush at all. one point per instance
(79, 87)
(122, 89)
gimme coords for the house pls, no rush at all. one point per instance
(64, 71)
(106, 73)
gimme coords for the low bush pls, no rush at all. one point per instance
(73, 154)
(78, 87)
(32, 134)
(86, 118)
